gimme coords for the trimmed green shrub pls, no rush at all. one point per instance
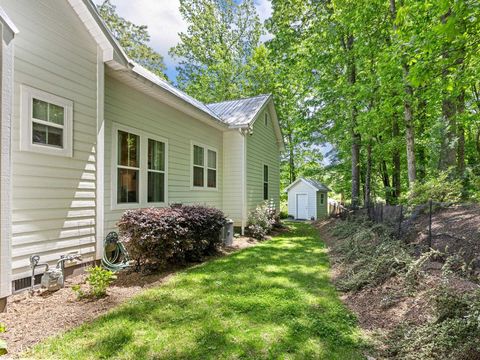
(155, 237)
(3, 344)
(261, 221)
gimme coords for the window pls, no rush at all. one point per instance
(139, 176)
(46, 123)
(128, 167)
(322, 196)
(265, 182)
(266, 119)
(204, 167)
(156, 171)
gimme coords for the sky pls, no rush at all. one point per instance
(165, 22)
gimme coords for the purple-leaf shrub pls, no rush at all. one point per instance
(157, 236)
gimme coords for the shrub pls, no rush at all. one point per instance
(261, 221)
(3, 344)
(441, 188)
(157, 236)
(98, 279)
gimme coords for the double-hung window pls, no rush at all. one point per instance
(204, 167)
(265, 182)
(128, 167)
(47, 123)
(140, 169)
(156, 171)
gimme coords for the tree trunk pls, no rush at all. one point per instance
(447, 150)
(368, 176)
(396, 178)
(409, 130)
(461, 136)
(291, 159)
(407, 109)
(386, 182)
(355, 137)
(421, 151)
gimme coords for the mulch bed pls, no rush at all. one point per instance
(32, 318)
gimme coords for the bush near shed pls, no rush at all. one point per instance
(155, 237)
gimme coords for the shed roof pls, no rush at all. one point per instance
(318, 186)
(239, 112)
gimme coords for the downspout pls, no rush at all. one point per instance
(244, 132)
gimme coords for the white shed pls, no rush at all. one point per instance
(307, 199)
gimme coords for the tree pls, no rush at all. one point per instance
(216, 51)
(133, 39)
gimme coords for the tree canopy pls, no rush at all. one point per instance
(133, 38)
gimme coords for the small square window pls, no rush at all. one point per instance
(46, 123)
(266, 119)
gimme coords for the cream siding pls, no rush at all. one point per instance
(54, 197)
(262, 149)
(233, 190)
(131, 108)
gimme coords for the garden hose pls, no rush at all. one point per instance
(115, 256)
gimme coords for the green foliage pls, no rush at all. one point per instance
(261, 221)
(441, 188)
(98, 280)
(3, 344)
(133, 38)
(218, 51)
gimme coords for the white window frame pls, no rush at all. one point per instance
(26, 143)
(205, 167)
(143, 171)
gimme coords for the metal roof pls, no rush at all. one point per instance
(318, 186)
(239, 112)
(140, 70)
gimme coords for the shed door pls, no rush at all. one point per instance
(302, 206)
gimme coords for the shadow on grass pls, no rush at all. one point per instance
(271, 301)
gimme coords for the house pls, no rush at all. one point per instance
(307, 199)
(86, 134)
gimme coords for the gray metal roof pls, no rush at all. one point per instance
(239, 112)
(312, 182)
(140, 70)
(318, 185)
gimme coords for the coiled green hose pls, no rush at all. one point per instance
(115, 259)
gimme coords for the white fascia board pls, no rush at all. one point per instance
(300, 180)
(87, 13)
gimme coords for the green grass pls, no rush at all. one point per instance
(272, 301)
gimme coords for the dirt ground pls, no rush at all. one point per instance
(382, 308)
(29, 319)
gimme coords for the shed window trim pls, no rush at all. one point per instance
(322, 198)
(45, 123)
(144, 167)
(204, 171)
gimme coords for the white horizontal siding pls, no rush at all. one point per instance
(129, 107)
(54, 197)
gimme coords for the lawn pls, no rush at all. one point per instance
(271, 301)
